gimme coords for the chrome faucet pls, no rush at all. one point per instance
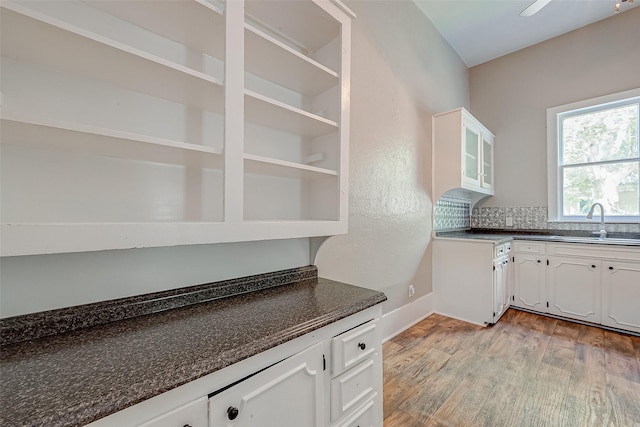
(602, 232)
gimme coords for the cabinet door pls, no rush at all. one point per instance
(499, 296)
(507, 273)
(574, 288)
(486, 176)
(530, 282)
(621, 295)
(289, 393)
(471, 156)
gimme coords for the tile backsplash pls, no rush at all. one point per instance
(535, 218)
(452, 214)
(522, 218)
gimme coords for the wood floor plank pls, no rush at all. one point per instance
(412, 375)
(620, 356)
(531, 351)
(560, 353)
(451, 339)
(424, 400)
(543, 324)
(636, 345)
(396, 362)
(389, 348)
(586, 402)
(566, 333)
(625, 401)
(497, 408)
(505, 345)
(591, 335)
(465, 401)
(540, 399)
(483, 340)
(619, 342)
(622, 365)
(408, 336)
(401, 419)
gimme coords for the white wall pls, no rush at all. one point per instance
(44, 282)
(402, 73)
(510, 95)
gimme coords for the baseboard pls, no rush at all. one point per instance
(404, 317)
(462, 318)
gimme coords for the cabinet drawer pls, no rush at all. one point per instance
(363, 417)
(352, 388)
(353, 346)
(529, 247)
(193, 414)
(501, 250)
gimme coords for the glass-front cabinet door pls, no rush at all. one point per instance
(486, 176)
(471, 168)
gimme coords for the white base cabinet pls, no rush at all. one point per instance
(331, 377)
(594, 283)
(621, 295)
(471, 279)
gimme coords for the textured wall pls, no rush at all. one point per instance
(402, 73)
(510, 95)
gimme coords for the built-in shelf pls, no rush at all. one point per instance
(307, 38)
(264, 111)
(76, 51)
(133, 124)
(275, 61)
(44, 133)
(279, 168)
(197, 24)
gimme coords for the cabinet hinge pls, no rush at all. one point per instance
(547, 304)
(513, 297)
(547, 262)
(494, 268)
(494, 314)
(513, 259)
(324, 363)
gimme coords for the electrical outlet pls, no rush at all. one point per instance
(412, 290)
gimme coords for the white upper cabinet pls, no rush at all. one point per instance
(462, 154)
(144, 124)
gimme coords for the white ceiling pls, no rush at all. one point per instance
(482, 30)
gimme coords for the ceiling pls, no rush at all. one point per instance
(482, 30)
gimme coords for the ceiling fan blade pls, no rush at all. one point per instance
(534, 7)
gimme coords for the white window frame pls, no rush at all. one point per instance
(554, 177)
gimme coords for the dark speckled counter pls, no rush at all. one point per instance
(502, 236)
(85, 374)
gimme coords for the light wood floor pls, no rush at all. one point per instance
(527, 370)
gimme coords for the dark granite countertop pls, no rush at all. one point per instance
(502, 236)
(83, 375)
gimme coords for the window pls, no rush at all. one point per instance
(594, 156)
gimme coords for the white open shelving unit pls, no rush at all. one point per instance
(145, 124)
